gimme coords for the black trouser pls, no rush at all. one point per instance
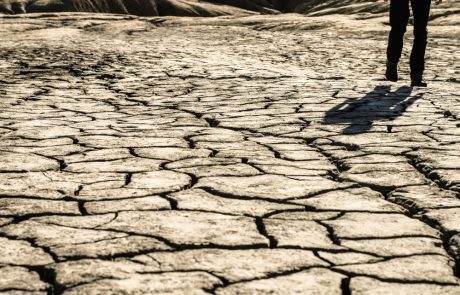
(399, 17)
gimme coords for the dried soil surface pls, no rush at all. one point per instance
(232, 155)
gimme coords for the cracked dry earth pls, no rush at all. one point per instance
(254, 155)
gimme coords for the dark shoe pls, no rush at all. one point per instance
(392, 71)
(417, 81)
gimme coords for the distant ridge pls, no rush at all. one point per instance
(205, 7)
(184, 7)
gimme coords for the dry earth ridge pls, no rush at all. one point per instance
(233, 155)
(448, 8)
(194, 7)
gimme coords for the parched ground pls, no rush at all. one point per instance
(251, 155)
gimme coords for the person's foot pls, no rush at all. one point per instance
(392, 71)
(417, 81)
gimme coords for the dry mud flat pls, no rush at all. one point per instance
(234, 155)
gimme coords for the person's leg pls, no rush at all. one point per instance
(399, 17)
(421, 12)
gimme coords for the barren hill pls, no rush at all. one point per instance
(207, 7)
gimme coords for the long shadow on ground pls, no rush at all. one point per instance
(379, 104)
